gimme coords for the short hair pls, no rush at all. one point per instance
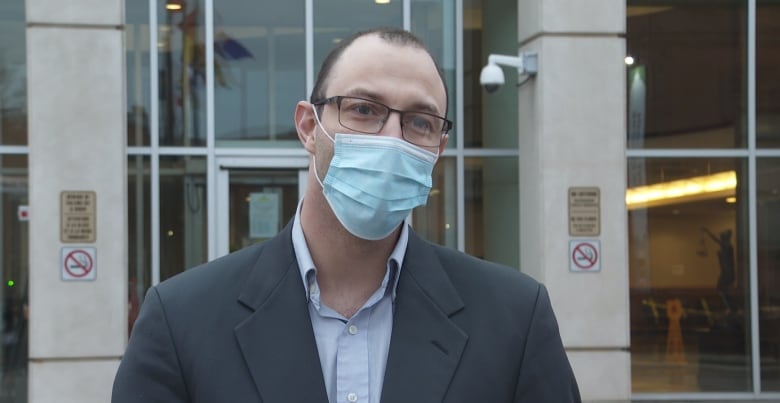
(392, 35)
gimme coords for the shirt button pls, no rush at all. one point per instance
(352, 397)
(353, 331)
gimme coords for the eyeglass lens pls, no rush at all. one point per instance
(369, 117)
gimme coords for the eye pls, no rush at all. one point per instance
(362, 109)
(421, 124)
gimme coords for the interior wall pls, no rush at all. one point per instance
(679, 254)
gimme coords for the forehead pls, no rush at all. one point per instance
(401, 75)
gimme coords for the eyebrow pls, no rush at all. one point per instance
(418, 106)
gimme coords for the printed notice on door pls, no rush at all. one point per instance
(78, 221)
(584, 211)
(264, 213)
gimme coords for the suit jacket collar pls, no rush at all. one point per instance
(423, 265)
(277, 339)
(426, 345)
(278, 344)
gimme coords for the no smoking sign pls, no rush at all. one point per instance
(584, 255)
(78, 263)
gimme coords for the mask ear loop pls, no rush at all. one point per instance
(314, 156)
(319, 123)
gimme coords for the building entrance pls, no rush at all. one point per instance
(256, 197)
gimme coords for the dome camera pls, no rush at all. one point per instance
(491, 77)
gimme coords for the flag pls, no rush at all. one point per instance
(231, 49)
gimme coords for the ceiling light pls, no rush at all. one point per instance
(173, 5)
(721, 184)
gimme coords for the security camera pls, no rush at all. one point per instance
(492, 76)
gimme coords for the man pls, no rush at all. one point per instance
(347, 304)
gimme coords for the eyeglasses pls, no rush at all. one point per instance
(366, 116)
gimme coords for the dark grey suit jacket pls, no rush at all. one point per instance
(238, 330)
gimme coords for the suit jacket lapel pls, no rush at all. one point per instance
(426, 345)
(277, 340)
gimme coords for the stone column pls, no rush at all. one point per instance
(572, 134)
(77, 140)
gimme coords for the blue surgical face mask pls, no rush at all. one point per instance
(374, 182)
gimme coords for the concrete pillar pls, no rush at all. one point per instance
(77, 140)
(572, 134)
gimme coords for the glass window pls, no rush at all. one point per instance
(13, 74)
(768, 190)
(183, 226)
(139, 241)
(14, 274)
(767, 79)
(436, 221)
(334, 20)
(137, 67)
(260, 61)
(688, 268)
(434, 23)
(182, 72)
(492, 209)
(687, 85)
(261, 202)
(489, 120)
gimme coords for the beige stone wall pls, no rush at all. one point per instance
(75, 62)
(572, 134)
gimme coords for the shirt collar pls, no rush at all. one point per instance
(306, 264)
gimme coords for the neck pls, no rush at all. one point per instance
(349, 269)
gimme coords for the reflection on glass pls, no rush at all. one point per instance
(687, 86)
(182, 74)
(490, 120)
(261, 203)
(139, 243)
(436, 221)
(14, 274)
(434, 23)
(492, 208)
(13, 74)
(260, 61)
(768, 191)
(688, 265)
(137, 67)
(333, 21)
(767, 79)
(183, 210)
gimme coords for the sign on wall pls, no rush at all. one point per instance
(584, 211)
(584, 255)
(78, 263)
(78, 221)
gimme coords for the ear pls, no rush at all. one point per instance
(443, 144)
(305, 125)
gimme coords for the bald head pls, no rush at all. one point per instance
(395, 36)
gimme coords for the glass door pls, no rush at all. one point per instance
(256, 198)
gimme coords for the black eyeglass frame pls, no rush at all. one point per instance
(338, 98)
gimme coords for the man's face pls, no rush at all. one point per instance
(401, 77)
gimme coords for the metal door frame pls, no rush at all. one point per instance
(221, 235)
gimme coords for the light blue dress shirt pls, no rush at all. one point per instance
(353, 351)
